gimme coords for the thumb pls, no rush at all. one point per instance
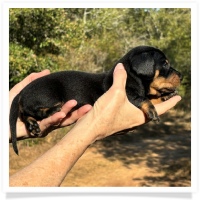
(166, 105)
(119, 76)
(39, 74)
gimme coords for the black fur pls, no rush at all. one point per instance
(47, 94)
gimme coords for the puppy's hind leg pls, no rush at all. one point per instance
(46, 112)
(32, 126)
(31, 123)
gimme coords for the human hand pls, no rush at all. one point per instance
(113, 112)
(57, 120)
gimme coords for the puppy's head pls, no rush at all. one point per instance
(153, 68)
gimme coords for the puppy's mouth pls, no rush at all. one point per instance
(173, 93)
(155, 99)
(159, 92)
(165, 93)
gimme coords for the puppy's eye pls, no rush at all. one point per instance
(166, 65)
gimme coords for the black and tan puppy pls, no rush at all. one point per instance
(149, 76)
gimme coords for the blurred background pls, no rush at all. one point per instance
(93, 39)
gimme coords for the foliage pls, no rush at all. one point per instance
(93, 39)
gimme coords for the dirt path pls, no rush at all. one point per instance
(152, 155)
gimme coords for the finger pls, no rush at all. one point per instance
(75, 115)
(19, 86)
(34, 76)
(52, 120)
(58, 117)
(83, 110)
(119, 76)
(66, 108)
(30, 78)
(166, 105)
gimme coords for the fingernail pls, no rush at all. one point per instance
(119, 66)
(73, 102)
(179, 98)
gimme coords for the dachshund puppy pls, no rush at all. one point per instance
(150, 80)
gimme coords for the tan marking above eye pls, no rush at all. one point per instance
(167, 61)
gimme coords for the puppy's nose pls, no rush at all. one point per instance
(180, 76)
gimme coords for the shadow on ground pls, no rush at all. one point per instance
(163, 147)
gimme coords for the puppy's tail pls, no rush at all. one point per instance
(14, 112)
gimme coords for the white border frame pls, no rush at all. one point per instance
(100, 4)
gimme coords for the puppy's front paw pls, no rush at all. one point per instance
(152, 115)
(150, 111)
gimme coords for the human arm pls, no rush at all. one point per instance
(110, 114)
(59, 119)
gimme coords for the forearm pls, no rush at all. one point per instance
(51, 168)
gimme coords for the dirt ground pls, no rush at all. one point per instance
(153, 155)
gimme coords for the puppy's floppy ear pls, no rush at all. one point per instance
(143, 64)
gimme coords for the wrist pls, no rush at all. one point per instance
(92, 127)
(87, 127)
